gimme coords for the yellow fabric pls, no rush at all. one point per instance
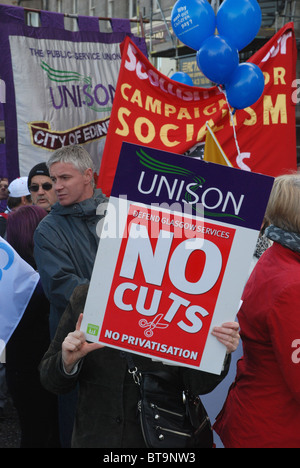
(213, 151)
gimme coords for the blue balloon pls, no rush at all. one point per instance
(239, 21)
(193, 21)
(217, 59)
(183, 78)
(246, 87)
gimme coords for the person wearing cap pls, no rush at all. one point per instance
(41, 187)
(19, 194)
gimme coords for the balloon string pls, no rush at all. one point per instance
(232, 120)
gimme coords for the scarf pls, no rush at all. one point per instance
(291, 240)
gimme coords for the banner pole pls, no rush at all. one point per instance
(73, 15)
(232, 121)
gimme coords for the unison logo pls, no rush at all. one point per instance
(187, 187)
(98, 98)
(2, 92)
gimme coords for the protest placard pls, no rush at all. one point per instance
(174, 256)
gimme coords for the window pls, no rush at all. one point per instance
(156, 8)
(111, 8)
(75, 12)
(2, 92)
(32, 19)
(75, 7)
(92, 7)
(132, 8)
(2, 132)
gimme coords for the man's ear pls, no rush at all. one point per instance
(24, 201)
(89, 176)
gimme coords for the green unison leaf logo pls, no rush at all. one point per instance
(161, 167)
(63, 76)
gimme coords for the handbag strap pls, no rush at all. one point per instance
(132, 369)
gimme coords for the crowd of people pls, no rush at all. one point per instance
(70, 393)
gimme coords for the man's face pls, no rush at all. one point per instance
(70, 185)
(42, 192)
(3, 189)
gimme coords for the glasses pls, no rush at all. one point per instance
(46, 186)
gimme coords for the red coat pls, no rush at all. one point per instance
(262, 409)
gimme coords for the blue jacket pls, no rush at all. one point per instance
(66, 244)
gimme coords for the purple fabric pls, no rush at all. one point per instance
(88, 23)
(120, 25)
(52, 20)
(3, 206)
(3, 171)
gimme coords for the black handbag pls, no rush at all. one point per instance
(169, 417)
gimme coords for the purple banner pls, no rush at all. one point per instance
(12, 23)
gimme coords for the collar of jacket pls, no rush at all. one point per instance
(83, 209)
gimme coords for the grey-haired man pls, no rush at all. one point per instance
(66, 241)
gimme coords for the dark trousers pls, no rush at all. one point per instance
(37, 410)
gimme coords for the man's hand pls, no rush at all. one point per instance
(75, 347)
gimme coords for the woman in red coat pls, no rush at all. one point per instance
(262, 409)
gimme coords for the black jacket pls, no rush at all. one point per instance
(107, 407)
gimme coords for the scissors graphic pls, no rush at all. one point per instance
(150, 326)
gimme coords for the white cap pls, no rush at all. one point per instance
(18, 188)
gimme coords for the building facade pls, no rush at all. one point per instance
(151, 18)
(153, 21)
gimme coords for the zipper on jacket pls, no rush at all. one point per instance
(162, 429)
(166, 411)
(141, 422)
(203, 424)
(182, 434)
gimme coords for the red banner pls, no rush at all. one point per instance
(155, 111)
